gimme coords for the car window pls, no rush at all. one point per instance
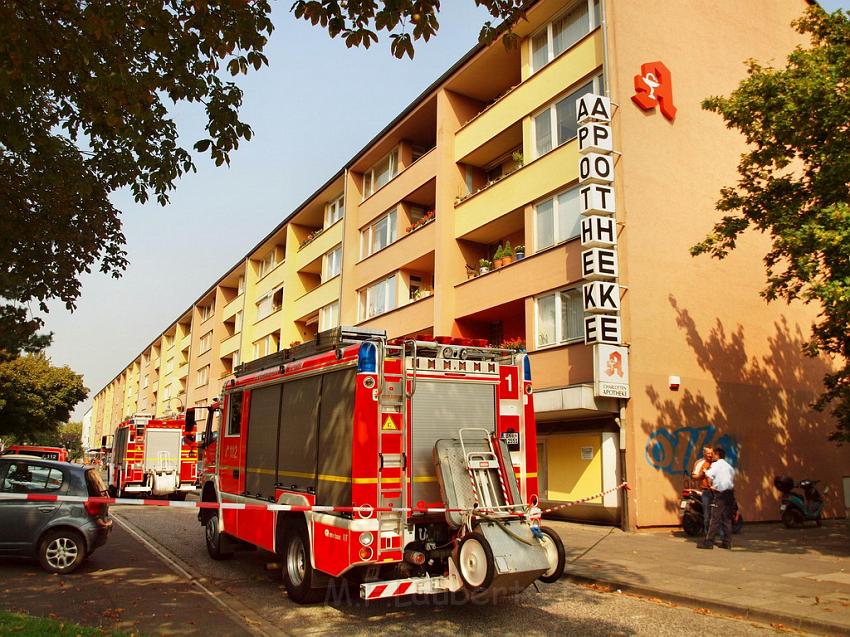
(24, 477)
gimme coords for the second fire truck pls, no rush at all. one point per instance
(411, 467)
(153, 457)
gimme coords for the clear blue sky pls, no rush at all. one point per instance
(315, 106)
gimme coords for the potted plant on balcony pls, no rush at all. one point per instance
(508, 254)
(516, 344)
(519, 251)
(498, 257)
(484, 266)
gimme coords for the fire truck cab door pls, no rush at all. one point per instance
(231, 444)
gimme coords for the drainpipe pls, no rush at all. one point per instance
(625, 522)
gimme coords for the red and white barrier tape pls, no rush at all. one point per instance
(363, 511)
(622, 485)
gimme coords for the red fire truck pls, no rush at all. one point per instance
(416, 461)
(48, 453)
(153, 456)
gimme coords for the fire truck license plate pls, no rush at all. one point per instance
(511, 437)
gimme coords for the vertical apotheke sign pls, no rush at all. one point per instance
(599, 259)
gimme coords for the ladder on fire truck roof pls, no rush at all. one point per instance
(324, 342)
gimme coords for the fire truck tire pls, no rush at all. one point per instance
(555, 553)
(298, 573)
(214, 540)
(61, 551)
(476, 564)
(177, 496)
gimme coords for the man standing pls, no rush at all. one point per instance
(698, 474)
(721, 476)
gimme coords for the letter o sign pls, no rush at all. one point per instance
(594, 168)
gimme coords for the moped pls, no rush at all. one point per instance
(693, 516)
(797, 507)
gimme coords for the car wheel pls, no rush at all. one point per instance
(61, 551)
(555, 554)
(475, 561)
(298, 572)
(213, 538)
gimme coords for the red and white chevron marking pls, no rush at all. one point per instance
(365, 511)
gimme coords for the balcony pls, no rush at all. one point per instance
(230, 344)
(411, 318)
(319, 246)
(409, 180)
(406, 252)
(319, 297)
(532, 275)
(233, 307)
(492, 125)
(534, 180)
(183, 371)
(560, 366)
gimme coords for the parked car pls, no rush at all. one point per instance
(60, 534)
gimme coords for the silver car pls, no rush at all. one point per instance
(60, 534)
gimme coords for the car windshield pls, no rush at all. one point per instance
(95, 483)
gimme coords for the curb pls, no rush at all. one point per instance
(725, 608)
(245, 616)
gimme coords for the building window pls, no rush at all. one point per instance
(269, 304)
(266, 345)
(556, 124)
(205, 343)
(381, 173)
(169, 366)
(559, 317)
(331, 263)
(237, 358)
(240, 286)
(329, 316)
(145, 381)
(562, 32)
(334, 210)
(237, 322)
(267, 264)
(556, 219)
(206, 311)
(203, 376)
(378, 298)
(378, 235)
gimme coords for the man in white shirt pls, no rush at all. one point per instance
(721, 475)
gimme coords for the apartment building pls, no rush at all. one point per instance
(489, 154)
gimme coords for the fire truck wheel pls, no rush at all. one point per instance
(177, 496)
(555, 554)
(298, 573)
(61, 551)
(475, 562)
(214, 540)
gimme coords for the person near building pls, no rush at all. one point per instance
(698, 474)
(721, 477)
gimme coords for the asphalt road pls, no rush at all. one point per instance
(250, 587)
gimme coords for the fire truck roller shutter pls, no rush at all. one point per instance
(162, 449)
(297, 443)
(260, 456)
(438, 410)
(119, 445)
(336, 426)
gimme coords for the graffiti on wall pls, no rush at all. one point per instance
(675, 451)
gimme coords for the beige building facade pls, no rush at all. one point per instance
(489, 155)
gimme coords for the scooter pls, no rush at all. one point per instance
(798, 508)
(693, 517)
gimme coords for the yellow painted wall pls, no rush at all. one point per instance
(568, 476)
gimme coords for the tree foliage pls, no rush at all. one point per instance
(794, 184)
(85, 89)
(359, 22)
(35, 398)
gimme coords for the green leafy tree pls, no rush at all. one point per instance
(359, 23)
(794, 185)
(84, 94)
(35, 398)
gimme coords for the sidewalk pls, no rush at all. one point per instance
(122, 587)
(796, 577)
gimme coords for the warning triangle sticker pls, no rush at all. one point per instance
(389, 425)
